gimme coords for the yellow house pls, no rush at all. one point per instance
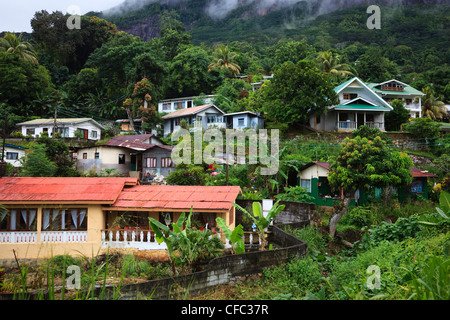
(53, 216)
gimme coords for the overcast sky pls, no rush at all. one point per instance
(15, 15)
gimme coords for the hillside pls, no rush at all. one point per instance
(415, 23)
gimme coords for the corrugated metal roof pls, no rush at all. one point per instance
(135, 142)
(178, 197)
(47, 189)
(189, 111)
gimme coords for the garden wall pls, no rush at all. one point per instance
(219, 271)
(294, 212)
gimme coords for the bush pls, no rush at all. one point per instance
(358, 217)
(297, 277)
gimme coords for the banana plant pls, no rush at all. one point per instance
(235, 236)
(260, 221)
(164, 234)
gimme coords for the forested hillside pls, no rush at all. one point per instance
(94, 71)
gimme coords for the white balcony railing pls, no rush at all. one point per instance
(64, 236)
(128, 238)
(18, 236)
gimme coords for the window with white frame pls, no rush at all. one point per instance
(166, 106)
(94, 134)
(241, 122)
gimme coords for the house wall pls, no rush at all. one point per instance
(210, 111)
(250, 121)
(157, 153)
(314, 171)
(108, 159)
(188, 103)
(90, 126)
(38, 249)
(20, 152)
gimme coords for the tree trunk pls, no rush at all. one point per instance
(334, 220)
(130, 117)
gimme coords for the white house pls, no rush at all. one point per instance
(358, 105)
(88, 128)
(394, 89)
(171, 105)
(244, 119)
(13, 154)
(124, 154)
(205, 116)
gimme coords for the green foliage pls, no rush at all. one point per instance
(234, 236)
(364, 162)
(37, 164)
(190, 175)
(261, 221)
(296, 278)
(358, 217)
(185, 246)
(283, 100)
(424, 128)
(395, 118)
(295, 193)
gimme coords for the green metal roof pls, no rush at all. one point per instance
(408, 90)
(339, 87)
(360, 107)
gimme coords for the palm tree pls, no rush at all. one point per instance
(12, 44)
(225, 59)
(431, 106)
(329, 62)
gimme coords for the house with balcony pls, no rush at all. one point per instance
(314, 178)
(85, 128)
(205, 116)
(394, 89)
(358, 105)
(171, 105)
(46, 217)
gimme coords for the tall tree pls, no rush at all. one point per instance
(15, 45)
(297, 92)
(364, 163)
(399, 115)
(189, 74)
(330, 62)
(432, 107)
(225, 59)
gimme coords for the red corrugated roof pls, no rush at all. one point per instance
(419, 173)
(31, 189)
(178, 197)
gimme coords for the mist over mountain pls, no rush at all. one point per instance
(212, 21)
(218, 9)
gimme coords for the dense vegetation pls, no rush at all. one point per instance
(108, 74)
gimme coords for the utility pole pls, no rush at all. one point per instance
(54, 122)
(4, 137)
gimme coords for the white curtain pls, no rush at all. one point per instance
(82, 216)
(13, 219)
(74, 214)
(46, 219)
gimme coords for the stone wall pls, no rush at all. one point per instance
(294, 212)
